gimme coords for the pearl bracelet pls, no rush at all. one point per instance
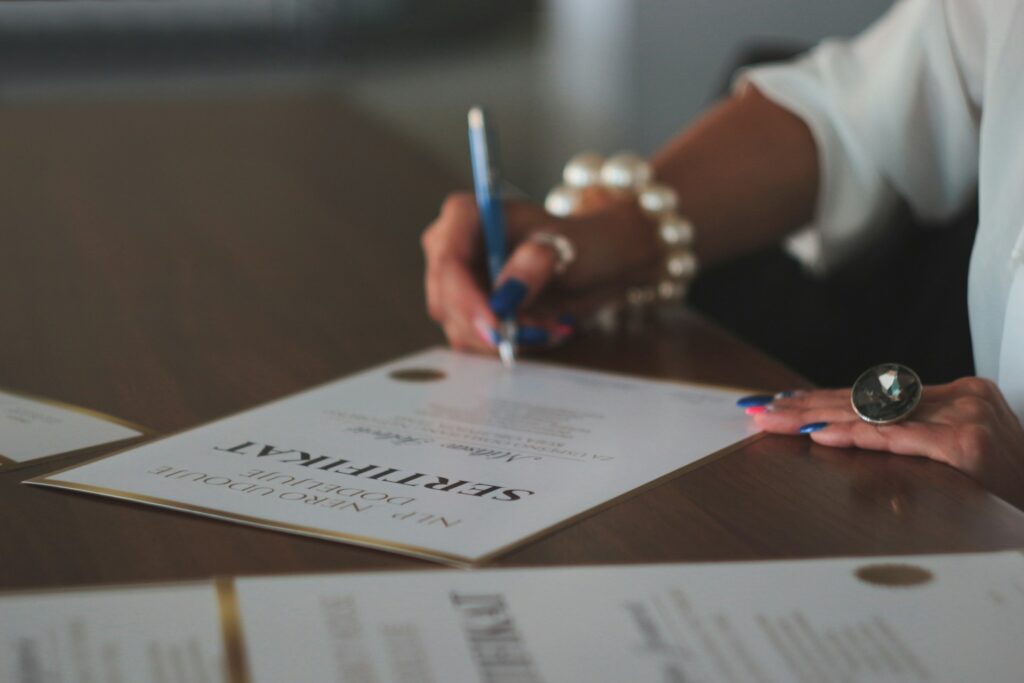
(629, 173)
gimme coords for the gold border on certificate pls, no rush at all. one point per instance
(261, 522)
(8, 464)
(71, 407)
(622, 497)
(236, 660)
(51, 480)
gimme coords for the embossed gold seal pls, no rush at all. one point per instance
(894, 575)
(417, 375)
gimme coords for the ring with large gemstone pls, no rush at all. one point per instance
(886, 393)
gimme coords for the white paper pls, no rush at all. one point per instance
(31, 429)
(906, 619)
(376, 460)
(765, 622)
(126, 635)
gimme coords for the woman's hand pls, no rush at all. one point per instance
(966, 424)
(614, 245)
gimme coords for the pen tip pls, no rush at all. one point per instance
(507, 353)
(476, 117)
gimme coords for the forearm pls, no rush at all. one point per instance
(746, 173)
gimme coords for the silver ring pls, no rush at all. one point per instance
(560, 245)
(886, 393)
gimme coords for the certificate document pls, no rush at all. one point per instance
(441, 455)
(32, 428)
(137, 635)
(907, 619)
(940, 619)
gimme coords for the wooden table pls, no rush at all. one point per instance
(170, 262)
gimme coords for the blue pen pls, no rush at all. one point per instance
(486, 181)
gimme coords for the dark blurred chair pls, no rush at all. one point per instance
(905, 300)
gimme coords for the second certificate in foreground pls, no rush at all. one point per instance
(440, 455)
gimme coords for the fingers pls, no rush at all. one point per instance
(903, 438)
(966, 424)
(456, 232)
(797, 421)
(527, 272)
(829, 419)
(788, 415)
(810, 399)
(610, 248)
(454, 296)
(466, 317)
(972, 399)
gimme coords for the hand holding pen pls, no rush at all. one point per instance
(614, 249)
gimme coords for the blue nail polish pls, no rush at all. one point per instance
(567, 319)
(507, 297)
(533, 336)
(813, 427)
(495, 337)
(757, 400)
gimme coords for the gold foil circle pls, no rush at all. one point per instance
(417, 375)
(894, 575)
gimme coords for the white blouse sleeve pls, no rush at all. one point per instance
(893, 113)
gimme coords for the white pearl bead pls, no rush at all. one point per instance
(671, 290)
(675, 231)
(681, 264)
(562, 201)
(625, 171)
(658, 199)
(583, 170)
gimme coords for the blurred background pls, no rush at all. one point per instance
(560, 75)
(302, 120)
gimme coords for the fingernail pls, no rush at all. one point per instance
(756, 400)
(532, 336)
(787, 394)
(507, 297)
(756, 410)
(813, 427)
(564, 332)
(567, 319)
(488, 334)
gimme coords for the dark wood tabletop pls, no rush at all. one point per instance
(170, 261)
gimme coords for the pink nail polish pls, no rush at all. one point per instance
(756, 410)
(485, 332)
